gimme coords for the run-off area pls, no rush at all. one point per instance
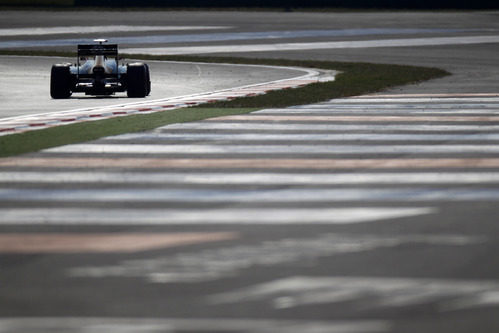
(335, 221)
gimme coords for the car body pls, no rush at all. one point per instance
(98, 72)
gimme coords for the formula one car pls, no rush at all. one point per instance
(99, 74)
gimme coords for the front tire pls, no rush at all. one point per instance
(60, 82)
(137, 83)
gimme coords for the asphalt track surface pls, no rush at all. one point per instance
(371, 214)
(28, 93)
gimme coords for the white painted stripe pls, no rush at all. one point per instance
(356, 110)
(396, 105)
(435, 95)
(190, 163)
(230, 36)
(411, 102)
(328, 127)
(40, 31)
(250, 178)
(435, 100)
(161, 137)
(170, 325)
(289, 195)
(279, 47)
(272, 149)
(357, 118)
(263, 216)
(367, 292)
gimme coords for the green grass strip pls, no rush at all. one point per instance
(32, 141)
(355, 79)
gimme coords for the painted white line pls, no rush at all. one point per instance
(170, 325)
(395, 104)
(231, 260)
(292, 195)
(258, 216)
(229, 36)
(40, 31)
(272, 149)
(189, 163)
(357, 118)
(327, 127)
(436, 95)
(382, 110)
(405, 42)
(431, 100)
(232, 137)
(366, 292)
(12, 177)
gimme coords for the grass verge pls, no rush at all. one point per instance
(355, 79)
(15, 144)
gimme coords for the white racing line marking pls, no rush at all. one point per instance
(245, 178)
(222, 36)
(174, 325)
(434, 95)
(403, 42)
(310, 164)
(251, 137)
(368, 293)
(230, 261)
(39, 31)
(39, 121)
(278, 126)
(383, 109)
(221, 195)
(358, 118)
(229, 216)
(298, 149)
(452, 101)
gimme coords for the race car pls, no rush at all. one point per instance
(97, 72)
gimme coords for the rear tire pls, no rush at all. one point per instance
(137, 85)
(60, 82)
(148, 80)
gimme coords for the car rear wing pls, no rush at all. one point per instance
(85, 50)
(98, 49)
